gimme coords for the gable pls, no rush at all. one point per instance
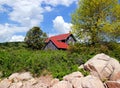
(70, 40)
(60, 41)
(50, 46)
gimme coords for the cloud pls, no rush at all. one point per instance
(60, 25)
(8, 30)
(28, 13)
(17, 38)
(60, 2)
(48, 8)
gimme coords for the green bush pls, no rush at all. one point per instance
(15, 57)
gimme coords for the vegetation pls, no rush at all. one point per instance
(95, 21)
(15, 57)
(35, 38)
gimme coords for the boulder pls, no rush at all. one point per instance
(62, 84)
(25, 76)
(16, 85)
(29, 83)
(53, 82)
(87, 82)
(5, 83)
(81, 66)
(103, 66)
(113, 84)
(73, 75)
(16, 77)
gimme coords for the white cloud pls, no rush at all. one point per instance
(60, 2)
(8, 30)
(60, 25)
(29, 13)
(48, 8)
(17, 38)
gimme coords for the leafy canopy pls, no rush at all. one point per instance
(97, 20)
(35, 38)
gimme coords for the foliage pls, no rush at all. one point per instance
(97, 20)
(84, 72)
(15, 57)
(35, 38)
(88, 51)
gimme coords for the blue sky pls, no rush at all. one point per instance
(18, 16)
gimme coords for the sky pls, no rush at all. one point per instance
(18, 16)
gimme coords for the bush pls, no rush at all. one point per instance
(17, 58)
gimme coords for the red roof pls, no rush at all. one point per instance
(60, 44)
(57, 42)
(59, 37)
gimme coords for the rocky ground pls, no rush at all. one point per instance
(104, 73)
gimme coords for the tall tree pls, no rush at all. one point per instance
(97, 20)
(35, 38)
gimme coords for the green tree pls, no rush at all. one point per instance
(97, 20)
(35, 38)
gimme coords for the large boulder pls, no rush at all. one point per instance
(113, 84)
(16, 77)
(72, 76)
(103, 66)
(62, 84)
(16, 85)
(87, 82)
(5, 83)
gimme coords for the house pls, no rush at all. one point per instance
(59, 42)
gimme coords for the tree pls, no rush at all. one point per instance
(35, 38)
(97, 20)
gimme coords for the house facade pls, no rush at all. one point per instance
(59, 42)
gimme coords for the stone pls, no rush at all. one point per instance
(25, 76)
(54, 81)
(14, 77)
(16, 85)
(81, 66)
(5, 83)
(103, 67)
(73, 75)
(87, 82)
(62, 84)
(113, 84)
(116, 77)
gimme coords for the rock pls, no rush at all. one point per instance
(81, 66)
(62, 84)
(40, 85)
(25, 76)
(30, 83)
(5, 83)
(76, 83)
(73, 75)
(16, 85)
(54, 81)
(14, 77)
(113, 84)
(103, 66)
(116, 77)
(87, 82)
